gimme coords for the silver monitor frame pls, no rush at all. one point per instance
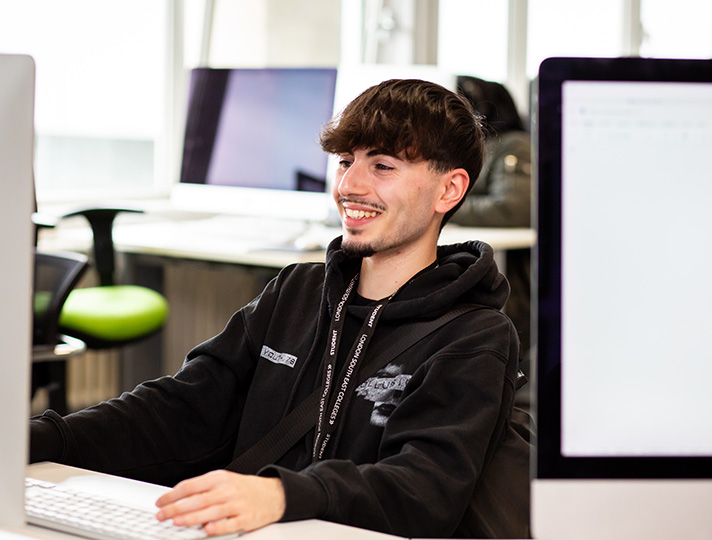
(17, 74)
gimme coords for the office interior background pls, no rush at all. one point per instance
(112, 76)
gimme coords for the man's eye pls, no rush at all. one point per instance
(344, 163)
(383, 167)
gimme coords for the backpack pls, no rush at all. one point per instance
(500, 507)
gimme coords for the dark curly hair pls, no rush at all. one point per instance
(416, 119)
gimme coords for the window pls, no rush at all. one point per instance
(472, 38)
(100, 91)
(109, 107)
(565, 28)
(679, 29)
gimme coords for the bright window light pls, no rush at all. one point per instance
(566, 28)
(472, 38)
(679, 29)
(100, 89)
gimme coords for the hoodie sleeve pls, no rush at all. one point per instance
(168, 429)
(432, 450)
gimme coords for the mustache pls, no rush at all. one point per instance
(362, 202)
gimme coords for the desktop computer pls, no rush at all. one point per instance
(623, 265)
(251, 143)
(17, 75)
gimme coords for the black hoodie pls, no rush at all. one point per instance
(410, 444)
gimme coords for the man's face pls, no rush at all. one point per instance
(386, 204)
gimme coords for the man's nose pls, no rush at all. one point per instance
(353, 180)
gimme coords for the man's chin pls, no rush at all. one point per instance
(356, 250)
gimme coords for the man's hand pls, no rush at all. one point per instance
(224, 502)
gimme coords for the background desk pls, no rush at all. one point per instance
(210, 266)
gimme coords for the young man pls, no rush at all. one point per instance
(400, 452)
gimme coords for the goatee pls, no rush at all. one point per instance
(357, 251)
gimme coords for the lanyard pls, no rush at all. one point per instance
(329, 412)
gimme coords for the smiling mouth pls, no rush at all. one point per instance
(359, 214)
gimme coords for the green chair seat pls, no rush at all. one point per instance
(114, 313)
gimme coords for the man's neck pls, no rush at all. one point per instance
(383, 274)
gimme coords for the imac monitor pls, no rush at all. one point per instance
(252, 142)
(17, 75)
(624, 260)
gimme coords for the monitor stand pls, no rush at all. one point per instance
(621, 509)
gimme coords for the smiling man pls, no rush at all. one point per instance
(400, 451)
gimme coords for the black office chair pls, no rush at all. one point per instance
(56, 275)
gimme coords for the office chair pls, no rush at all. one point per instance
(56, 275)
(110, 315)
(104, 316)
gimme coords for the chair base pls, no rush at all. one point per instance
(67, 348)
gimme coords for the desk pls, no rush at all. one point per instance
(143, 495)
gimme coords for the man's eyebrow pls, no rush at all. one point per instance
(380, 152)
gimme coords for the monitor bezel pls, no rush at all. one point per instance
(17, 100)
(549, 462)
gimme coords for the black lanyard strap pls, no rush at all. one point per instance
(335, 331)
(338, 403)
(326, 426)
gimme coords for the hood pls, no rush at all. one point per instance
(466, 273)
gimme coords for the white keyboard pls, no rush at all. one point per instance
(100, 518)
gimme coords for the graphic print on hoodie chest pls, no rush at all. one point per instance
(385, 390)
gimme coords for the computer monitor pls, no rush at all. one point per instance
(624, 260)
(252, 142)
(16, 241)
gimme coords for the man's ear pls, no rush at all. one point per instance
(455, 183)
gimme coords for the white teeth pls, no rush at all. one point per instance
(359, 214)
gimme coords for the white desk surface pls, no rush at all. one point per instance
(143, 495)
(244, 240)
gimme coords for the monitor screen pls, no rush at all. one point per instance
(251, 142)
(258, 128)
(637, 257)
(624, 259)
